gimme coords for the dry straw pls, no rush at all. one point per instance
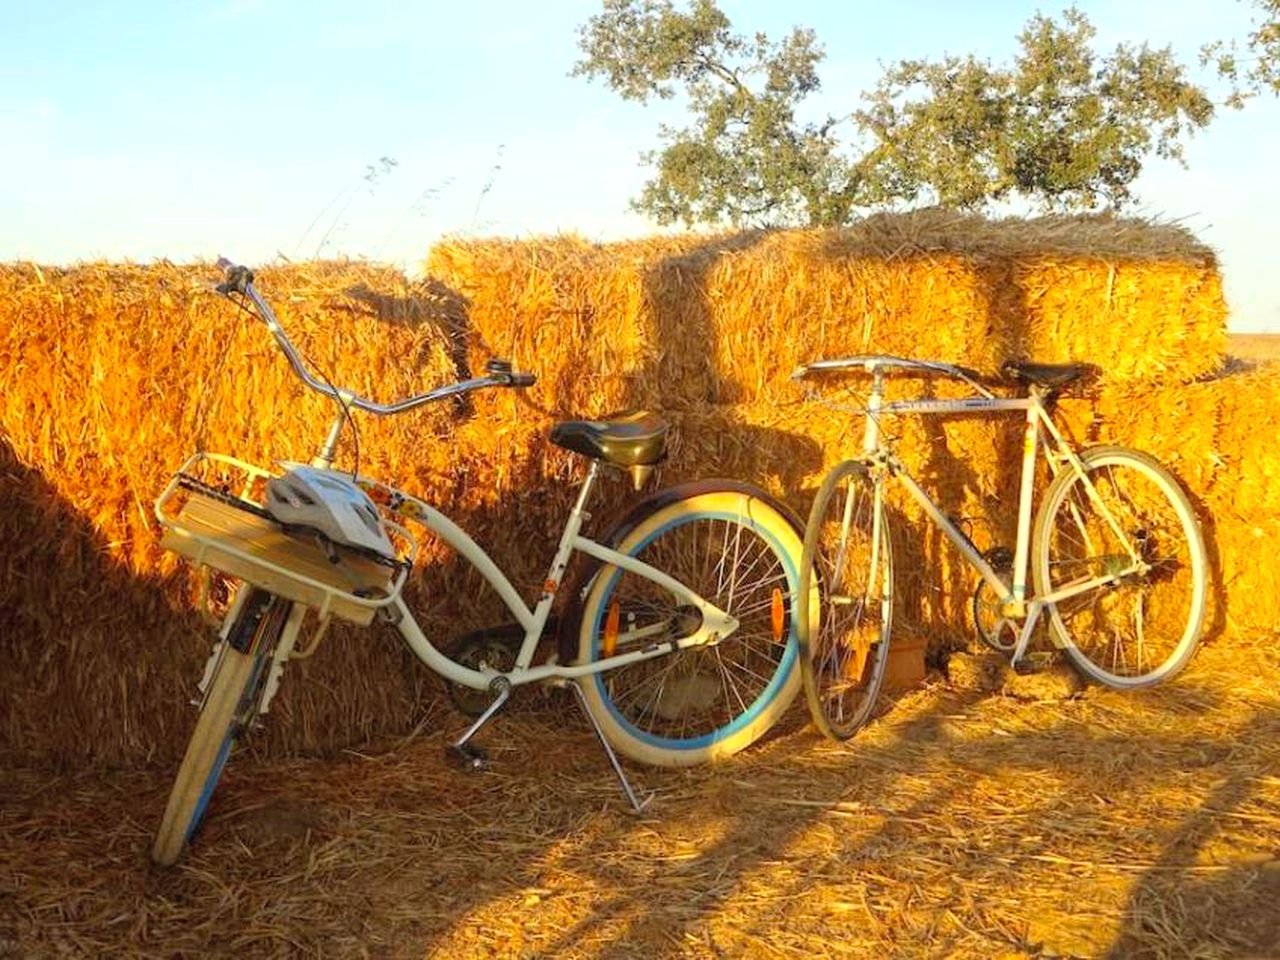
(114, 374)
(959, 824)
(724, 319)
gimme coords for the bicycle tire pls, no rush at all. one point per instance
(844, 637)
(232, 692)
(746, 703)
(1072, 544)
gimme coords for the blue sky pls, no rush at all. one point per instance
(243, 127)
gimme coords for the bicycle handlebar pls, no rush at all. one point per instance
(239, 279)
(874, 362)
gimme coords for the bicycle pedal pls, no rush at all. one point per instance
(467, 757)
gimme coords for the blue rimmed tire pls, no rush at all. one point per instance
(735, 547)
(229, 703)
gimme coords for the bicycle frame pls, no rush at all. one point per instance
(716, 623)
(715, 627)
(1040, 432)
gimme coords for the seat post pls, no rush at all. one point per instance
(588, 484)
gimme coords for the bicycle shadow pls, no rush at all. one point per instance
(893, 788)
(429, 305)
(1177, 876)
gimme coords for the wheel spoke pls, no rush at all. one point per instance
(690, 693)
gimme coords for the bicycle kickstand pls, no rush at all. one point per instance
(461, 751)
(636, 804)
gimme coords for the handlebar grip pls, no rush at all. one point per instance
(523, 379)
(238, 277)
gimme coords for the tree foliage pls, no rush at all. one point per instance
(1060, 125)
(1256, 69)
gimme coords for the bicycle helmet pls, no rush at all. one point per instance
(331, 503)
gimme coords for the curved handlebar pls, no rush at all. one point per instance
(239, 280)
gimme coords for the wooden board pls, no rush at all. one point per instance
(220, 526)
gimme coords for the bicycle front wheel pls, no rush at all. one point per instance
(228, 706)
(845, 613)
(1128, 521)
(732, 547)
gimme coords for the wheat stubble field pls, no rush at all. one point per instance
(1255, 347)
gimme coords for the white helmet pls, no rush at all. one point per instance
(330, 502)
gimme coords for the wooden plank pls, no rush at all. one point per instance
(220, 524)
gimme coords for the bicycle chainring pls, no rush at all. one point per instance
(989, 623)
(495, 648)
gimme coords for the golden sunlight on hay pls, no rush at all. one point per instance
(983, 816)
(725, 319)
(115, 374)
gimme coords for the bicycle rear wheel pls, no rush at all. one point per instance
(845, 613)
(732, 547)
(229, 703)
(1143, 626)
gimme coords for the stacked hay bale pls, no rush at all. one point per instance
(1218, 435)
(709, 330)
(114, 374)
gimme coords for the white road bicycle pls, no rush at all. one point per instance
(677, 635)
(1116, 554)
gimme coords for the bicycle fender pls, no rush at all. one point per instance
(585, 577)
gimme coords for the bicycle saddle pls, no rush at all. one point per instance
(633, 438)
(1051, 375)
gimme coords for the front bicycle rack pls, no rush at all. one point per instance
(211, 514)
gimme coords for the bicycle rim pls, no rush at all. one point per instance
(231, 699)
(702, 702)
(844, 642)
(1143, 626)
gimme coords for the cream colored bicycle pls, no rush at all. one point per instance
(1116, 555)
(676, 635)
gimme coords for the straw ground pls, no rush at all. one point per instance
(960, 824)
(963, 823)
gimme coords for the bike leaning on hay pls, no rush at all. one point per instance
(1116, 556)
(677, 639)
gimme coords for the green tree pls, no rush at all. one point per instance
(1257, 69)
(1060, 125)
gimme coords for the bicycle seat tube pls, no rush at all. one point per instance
(871, 433)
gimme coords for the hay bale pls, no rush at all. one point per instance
(725, 318)
(114, 374)
(1218, 436)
